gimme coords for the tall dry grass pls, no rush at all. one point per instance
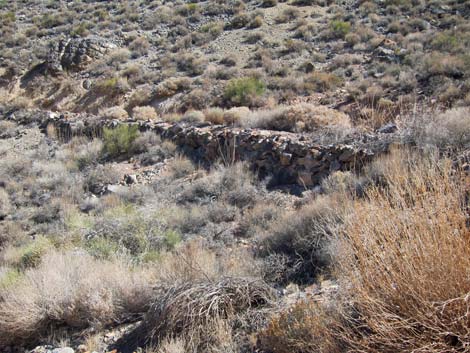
(71, 290)
(402, 260)
(405, 260)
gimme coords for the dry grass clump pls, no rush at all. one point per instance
(306, 326)
(144, 113)
(234, 184)
(303, 236)
(450, 129)
(114, 113)
(298, 118)
(190, 309)
(405, 261)
(193, 261)
(180, 167)
(71, 289)
(214, 116)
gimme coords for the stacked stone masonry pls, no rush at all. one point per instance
(285, 157)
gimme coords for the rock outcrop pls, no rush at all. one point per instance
(74, 54)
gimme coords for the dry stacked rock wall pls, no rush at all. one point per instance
(288, 158)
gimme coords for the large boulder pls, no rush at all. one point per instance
(73, 54)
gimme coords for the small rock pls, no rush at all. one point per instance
(113, 189)
(389, 128)
(87, 84)
(131, 179)
(82, 348)
(63, 350)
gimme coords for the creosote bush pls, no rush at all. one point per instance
(243, 91)
(119, 141)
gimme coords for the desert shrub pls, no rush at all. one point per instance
(27, 255)
(446, 130)
(253, 38)
(154, 152)
(306, 326)
(118, 57)
(5, 205)
(193, 116)
(139, 46)
(81, 30)
(113, 113)
(190, 63)
(88, 154)
(240, 20)
(144, 113)
(258, 219)
(119, 141)
(443, 64)
(321, 82)
(212, 28)
(405, 257)
(234, 116)
(99, 177)
(214, 115)
(243, 91)
(172, 86)
(123, 230)
(8, 277)
(71, 289)
(192, 308)
(269, 3)
(256, 21)
(111, 86)
(180, 167)
(289, 14)
(305, 31)
(233, 183)
(304, 236)
(300, 117)
(187, 219)
(339, 29)
(49, 20)
(194, 261)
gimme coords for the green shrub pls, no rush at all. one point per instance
(81, 30)
(445, 42)
(119, 141)
(50, 21)
(31, 254)
(241, 91)
(102, 248)
(8, 17)
(111, 86)
(172, 238)
(9, 277)
(339, 29)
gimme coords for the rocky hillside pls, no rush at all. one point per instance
(177, 60)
